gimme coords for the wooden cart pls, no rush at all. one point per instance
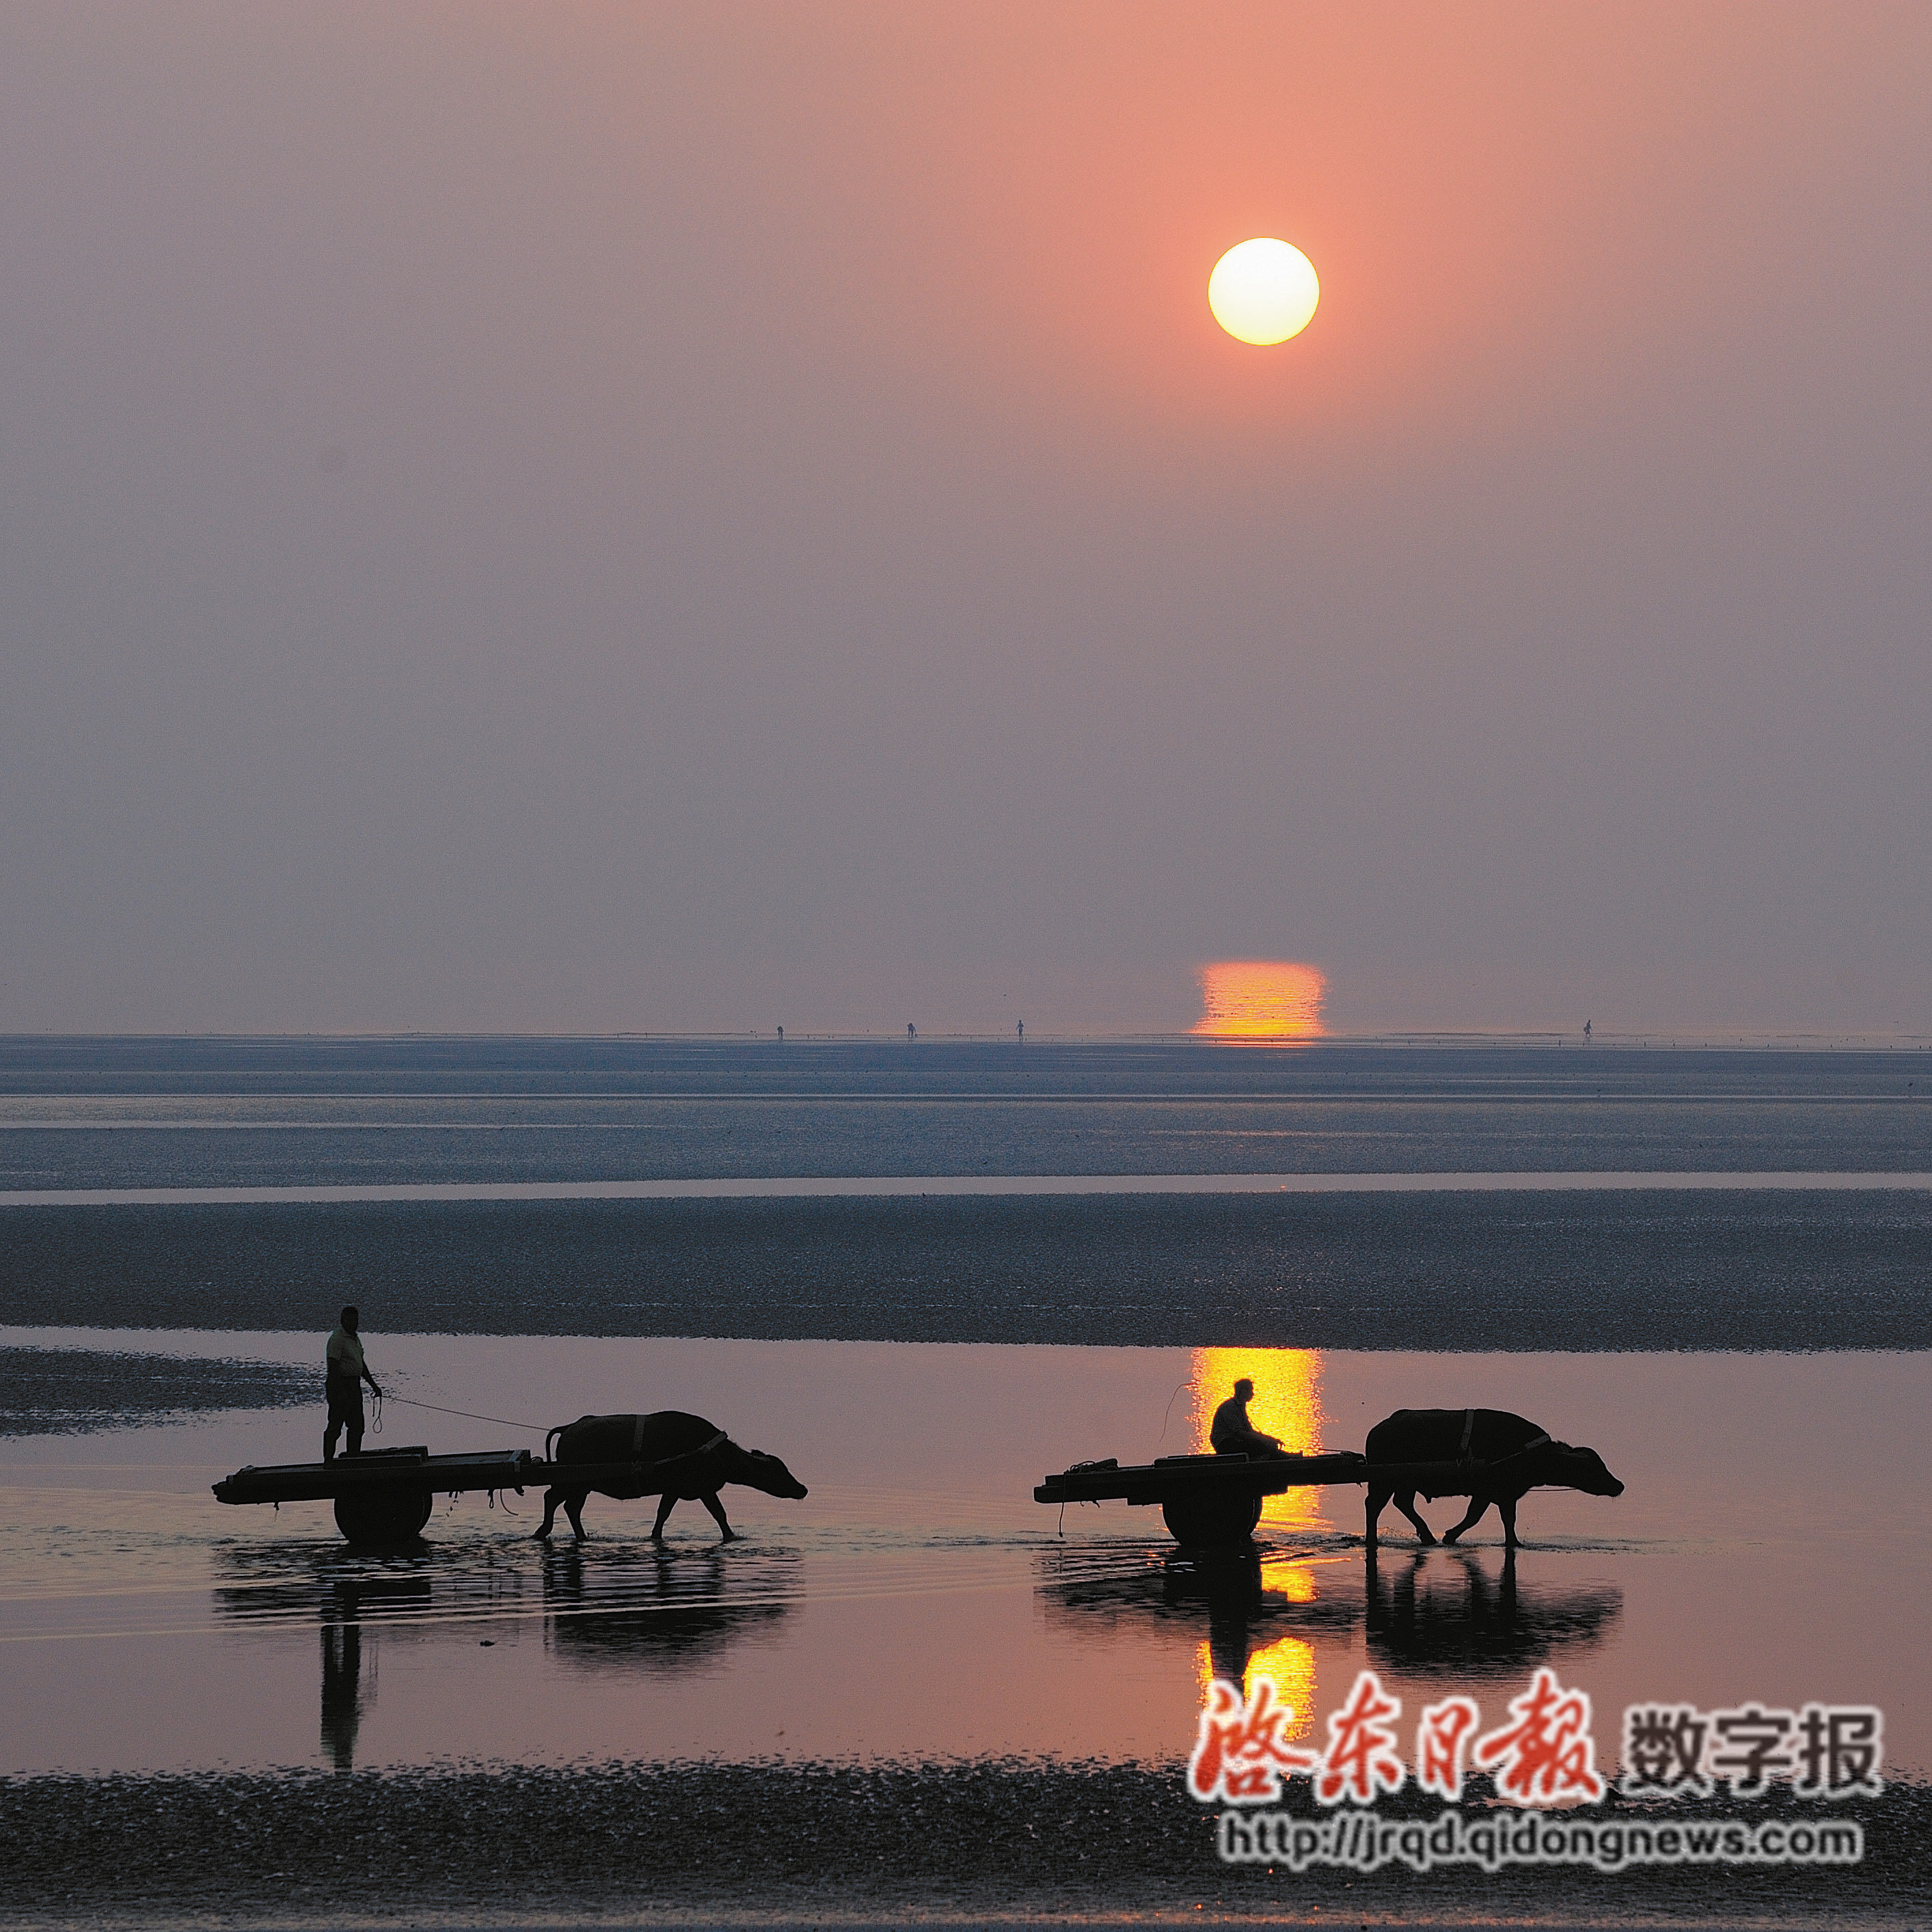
(1214, 1502)
(385, 1497)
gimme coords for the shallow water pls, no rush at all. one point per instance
(138, 1113)
(918, 1605)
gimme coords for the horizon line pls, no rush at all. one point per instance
(1654, 1039)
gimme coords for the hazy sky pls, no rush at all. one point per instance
(638, 516)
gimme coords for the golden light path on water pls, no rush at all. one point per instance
(1287, 1403)
(1260, 1000)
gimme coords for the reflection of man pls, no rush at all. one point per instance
(341, 1689)
(1232, 1433)
(345, 1372)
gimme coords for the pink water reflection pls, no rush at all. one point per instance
(919, 1604)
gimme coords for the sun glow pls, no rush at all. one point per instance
(1287, 1403)
(1261, 999)
(1262, 291)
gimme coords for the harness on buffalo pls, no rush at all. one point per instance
(682, 1456)
(1462, 1454)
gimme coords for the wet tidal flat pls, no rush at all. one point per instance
(1574, 1270)
(918, 1606)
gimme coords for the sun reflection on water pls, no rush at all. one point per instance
(1287, 1663)
(1287, 1403)
(1261, 999)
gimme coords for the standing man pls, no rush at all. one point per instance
(346, 1372)
(1232, 1434)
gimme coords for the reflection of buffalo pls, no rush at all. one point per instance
(1426, 1612)
(677, 1457)
(1505, 1458)
(665, 1613)
(1449, 1612)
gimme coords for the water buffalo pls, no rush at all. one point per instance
(1504, 1456)
(677, 1457)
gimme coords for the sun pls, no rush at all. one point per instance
(1264, 291)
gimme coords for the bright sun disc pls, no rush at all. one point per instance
(1264, 291)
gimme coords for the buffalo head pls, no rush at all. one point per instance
(756, 1471)
(1582, 1469)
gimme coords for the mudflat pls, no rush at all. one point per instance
(705, 1841)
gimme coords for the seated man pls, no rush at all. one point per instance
(1232, 1435)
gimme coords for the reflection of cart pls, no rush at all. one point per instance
(386, 1496)
(1214, 1502)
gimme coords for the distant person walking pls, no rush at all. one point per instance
(1232, 1433)
(345, 1371)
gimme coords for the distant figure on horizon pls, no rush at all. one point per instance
(344, 1372)
(1586, 1030)
(912, 1031)
(1022, 1033)
(1232, 1433)
(780, 1036)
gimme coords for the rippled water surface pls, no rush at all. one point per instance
(227, 1113)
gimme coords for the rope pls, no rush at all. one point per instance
(1166, 1414)
(537, 1428)
(469, 1414)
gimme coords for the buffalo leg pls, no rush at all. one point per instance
(551, 1498)
(1380, 1499)
(666, 1504)
(573, 1508)
(1377, 1502)
(1477, 1505)
(717, 1510)
(1405, 1501)
(1506, 1509)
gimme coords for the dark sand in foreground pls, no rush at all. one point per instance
(815, 1842)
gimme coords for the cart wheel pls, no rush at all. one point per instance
(377, 1517)
(1212, 1523)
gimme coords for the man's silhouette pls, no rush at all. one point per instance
(345, 1372)
(1232, 1434)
